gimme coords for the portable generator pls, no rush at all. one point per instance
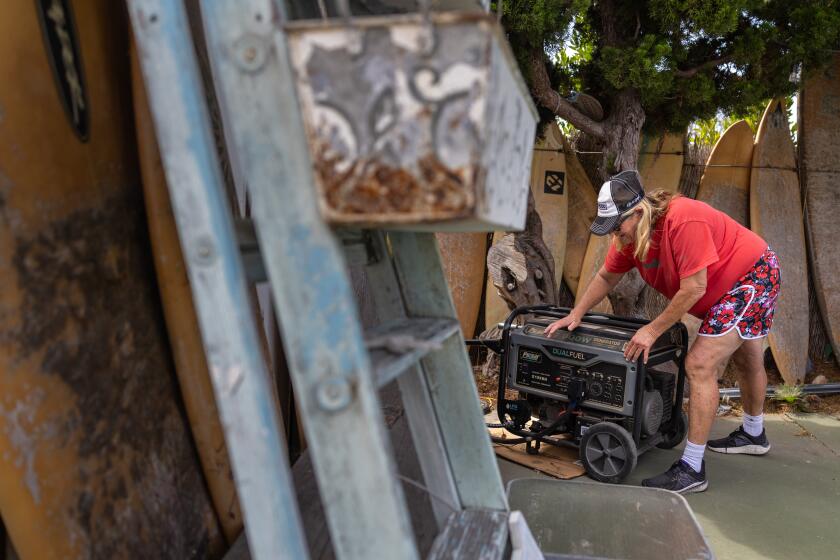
(577, 389)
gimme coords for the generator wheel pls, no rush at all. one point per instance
(675, 436)
(608, 452)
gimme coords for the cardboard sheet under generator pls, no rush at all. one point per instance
(559, 462)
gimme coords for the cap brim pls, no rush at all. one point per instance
(603, 226)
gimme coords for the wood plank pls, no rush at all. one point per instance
(725, 183)
(205, 225)
(596, 253)
(416, 397)
(583, 208)
(331, 371)
(181, 321)
(661, 161)
(495, 308)
(397, 344)
(819, 110)
(549, 185)
(449, 373)
(463, 256)
(776, 215)
(428, 443)
(479, 534)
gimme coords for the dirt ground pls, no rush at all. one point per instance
(825, 404)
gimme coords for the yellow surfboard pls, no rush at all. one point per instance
(819, 137)
(181, 320)
(661, 161)
(549, 186)
(593, 260)
(583, 208)
(96, 458)
(776, 215)
(463, 256)
(495, 308)
(725, 183)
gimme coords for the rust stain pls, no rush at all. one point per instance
(90, 314)
(371, 188)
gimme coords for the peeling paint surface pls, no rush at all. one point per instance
(18, 420)
(91, 325)
(411, 121)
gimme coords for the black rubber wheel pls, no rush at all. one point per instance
(608, 452)
(677, 435)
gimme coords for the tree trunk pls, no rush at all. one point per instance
(622, 133)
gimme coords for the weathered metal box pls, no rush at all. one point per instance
(415, 122)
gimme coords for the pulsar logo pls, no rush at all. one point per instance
(571, 354)
(531, 356)
(58, 28)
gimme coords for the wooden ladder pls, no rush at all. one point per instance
(336, 368)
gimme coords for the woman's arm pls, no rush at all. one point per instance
(692, 288)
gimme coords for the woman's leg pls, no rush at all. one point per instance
(705, 358)
(749, 359)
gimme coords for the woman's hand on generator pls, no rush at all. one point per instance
(570, 321)
(640, 344)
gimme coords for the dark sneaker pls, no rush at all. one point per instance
(680, 478)
(740, 441)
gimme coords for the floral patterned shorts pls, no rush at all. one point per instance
(749, 306)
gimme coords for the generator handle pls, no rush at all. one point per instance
(560, 312)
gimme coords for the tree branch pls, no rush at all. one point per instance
(705, 66)
(551, 100)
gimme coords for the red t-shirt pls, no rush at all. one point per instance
(690, 237)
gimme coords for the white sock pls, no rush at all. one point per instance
(693, 455)
(753, 425)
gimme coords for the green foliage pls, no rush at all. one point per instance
(789, 394)
(709, 131)
(565, 127)
(539, 22)
(688, 60)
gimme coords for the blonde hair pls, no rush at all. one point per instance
(653, 206)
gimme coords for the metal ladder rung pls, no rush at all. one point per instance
(472, 533)
(395, 345)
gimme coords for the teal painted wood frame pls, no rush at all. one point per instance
(329, 366)
(205, 225)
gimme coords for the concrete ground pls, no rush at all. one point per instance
(783, 505)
